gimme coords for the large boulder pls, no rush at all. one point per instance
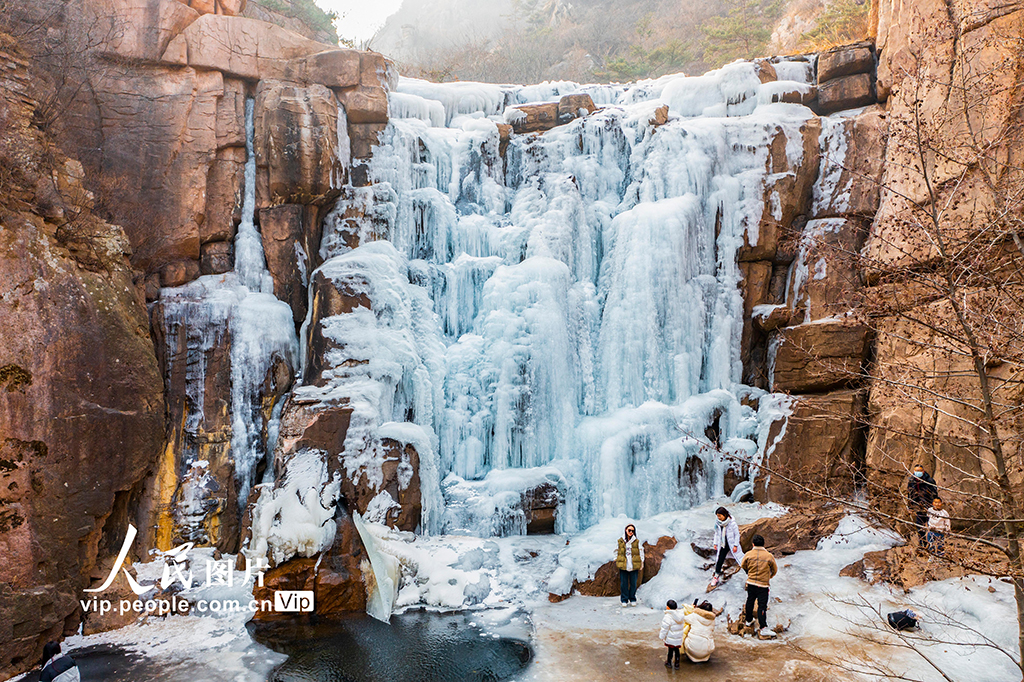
(819, 356)
(820, 449)
(296, 145)
(799, 529)
(847, 92)
(605, 582)
(335, 577)
(846, 60)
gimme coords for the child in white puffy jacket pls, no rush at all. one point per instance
(673, 631)
(700, 633)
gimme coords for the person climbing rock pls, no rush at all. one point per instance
(761, 568)
(57, 668)
(727, 542)
(630, 561)
(673, 632)
(921, 490)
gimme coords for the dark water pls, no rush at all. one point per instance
(108, 663)
(414, 647)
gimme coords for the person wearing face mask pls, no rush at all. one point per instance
(727, 543)
(921, 490)
(630, 561)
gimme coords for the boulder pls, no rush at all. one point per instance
(820, 449)
(217, 258)
(852, 160)
(797, 530)
(322, 427)
(296, 145)
(846, 60)
(242, 47)
(335, 578)
(846, 92)
(179, 272)
(605, 582)
(532, 118)
(769, 317)
(575, 106)
(333, 68)
(819, 356)
(765, 71)
(906, 567)
(365, 104)
(377, 70)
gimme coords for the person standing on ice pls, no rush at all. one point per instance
(57, 668)
(630, 561)
(921, 490)
(727, 542)
(761, 568)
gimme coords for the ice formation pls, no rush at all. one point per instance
(239, 305)
(564, 310)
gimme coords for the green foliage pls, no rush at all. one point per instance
(305, 11)
(841, 22)
(646, 57)
(742, 33)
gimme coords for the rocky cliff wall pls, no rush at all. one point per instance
(81, 397)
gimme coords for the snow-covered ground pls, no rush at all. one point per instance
(505, 574)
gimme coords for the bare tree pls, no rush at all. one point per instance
(943, 296)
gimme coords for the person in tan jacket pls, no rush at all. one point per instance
(761, 568)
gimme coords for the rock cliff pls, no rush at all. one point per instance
(81, 397)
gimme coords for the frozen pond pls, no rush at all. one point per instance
(415, 647)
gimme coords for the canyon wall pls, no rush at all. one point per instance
(133, 418)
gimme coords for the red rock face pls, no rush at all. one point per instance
(81, 403)
(336, 579)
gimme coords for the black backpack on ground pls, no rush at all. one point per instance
(902, 620)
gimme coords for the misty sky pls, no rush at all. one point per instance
(360, 18)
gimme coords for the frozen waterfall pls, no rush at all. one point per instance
(566, 309)
(241, 306)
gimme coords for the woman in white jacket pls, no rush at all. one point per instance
(700, 632)
(673, 632)
(727, 543)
